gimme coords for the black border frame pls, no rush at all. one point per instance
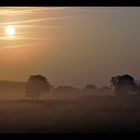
(70, 3)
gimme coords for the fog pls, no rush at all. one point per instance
(69, 70)
(100, 114)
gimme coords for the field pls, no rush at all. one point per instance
(86, 114)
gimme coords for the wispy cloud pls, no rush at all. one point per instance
(33, 20)
(26, 10)
(22, 22)
(23, 38)
(38, 26)
(21, 45)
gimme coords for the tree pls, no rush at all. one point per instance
(36, 86)
(138, 88)
(90, 89)
(124, 84)
(66, 89)
(52, 88)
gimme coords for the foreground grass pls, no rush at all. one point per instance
(96, 114)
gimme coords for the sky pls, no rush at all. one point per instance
(70, 45)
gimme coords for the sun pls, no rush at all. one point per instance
(10, 30)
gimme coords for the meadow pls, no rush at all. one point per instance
(84, 114)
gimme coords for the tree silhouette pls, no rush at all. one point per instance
(36, 86)
(138, 88)
(66, 89)
(124, 84)
(90, 89)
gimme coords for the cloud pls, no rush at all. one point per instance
(22, 38)
(33, 20)
(26, 10)
(21, 45)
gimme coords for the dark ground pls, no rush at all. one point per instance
(95, 114)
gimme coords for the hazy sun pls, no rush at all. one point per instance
(10, 30)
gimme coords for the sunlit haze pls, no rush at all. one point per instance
(69, 45)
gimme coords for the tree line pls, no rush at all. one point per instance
(120, 85)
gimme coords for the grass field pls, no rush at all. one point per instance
(90, 114)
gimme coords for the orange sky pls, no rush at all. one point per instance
(70, 45)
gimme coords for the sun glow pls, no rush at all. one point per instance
(10, 30)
